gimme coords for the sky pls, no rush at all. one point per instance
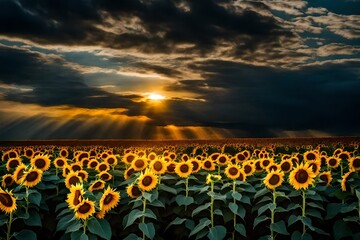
(200, 69)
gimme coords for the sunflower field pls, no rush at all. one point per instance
(229, 191)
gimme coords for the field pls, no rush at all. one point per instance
(302, 188)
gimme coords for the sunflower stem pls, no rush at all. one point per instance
(143, 217)
(212, 204)
(219, 169)
(85, 223)
(303, 209)
(273, 214)
(9, 226)
(27, 199)
(186, 190)
(234, 200)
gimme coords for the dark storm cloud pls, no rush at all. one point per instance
(51, 82)
(264, 99)
(161, 25)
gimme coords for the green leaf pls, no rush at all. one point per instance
(341, 230)
(132, 236)
(292, 219)
(151, 196)
(357, 193)
(314, 213)
(84, 237)
(292, 206)
(332, 210)
(217, 232)
(349, 208)
(149, 213)
(35, 198)
(315, 205)
(315, 197)
(165, 188)
(261, 193)
(279, 227)
(96, 228)
(307, 222)
(298, 236)
(182, 200)
(281, 194)
(260, 219)
(200, 208)
(3, 219)
(61, 206)
(236, 195)
(269, 206)
(233, 207)
(33, 219)
(157, 203)
(25, 235)
(133, 215)
(204, 222)
(351, 219)
(148, 229)
(240, 228)
(65, 221)
(106, 227)
(176, 221)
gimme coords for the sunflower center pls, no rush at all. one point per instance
(240, 157)
(6, 200)
(74, 180)
(77, 197)
(247, 169)
(273, 167)
(108, 199)
(233, 171)
(184, 168)
(274, 179)
(356, 163)
(63, 153)
(343, 156)
(105, 176)
(139, 163)
(84, 208)
(301, 176)
(32, 176)
(147, 180)
(82, 175)
(171, 167)
(76, 168)
(110, 160)
(135, 191)
(28, 153)
(129, 172)
(222, 159)
(265, 163)
(40, 163)
(185, 158)
(195, 165)
(8, 180)
(324, 178)
(60, 163)
(93, 164)
(12, 155)
(285, 166)
(207, 164)
(102, 167)
(130, 158)
(13, 163)
(97, 184)
(311, 156)
(158, 166)
(258, 166)
(332, 162)
(241, 177)
(313, 167)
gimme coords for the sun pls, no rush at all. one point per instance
(155, 97)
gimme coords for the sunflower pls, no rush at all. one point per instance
(170, 168)
(128, 173)
(102, 167)
(41, 162)
(258, 165)
(248, 168)
(311, 156)
(60, 162)
(75, 166)
(151, 156)
(272, 167)
(326, 178)
(274, 179)
(208, 164)
(222, 159)
(76, 195)
(158, 166)
(139, 164)
(111, 160)
(286, 165)
(84, 162)
(64, 153)
(109, 199)
(141, 153)
(100, 214)
(242, 176)
(296, 159)
(337, 151)
(104, 175)
(196, 165)
(104, 155)
(354, 163)
(172, 155)
(240, 157)
(7, 180)
(232, 171)
(31, 177)
(147, 181)
(83, 174)
(72, 178)
(333, 162)
(9, 154)
(214, 156)
(19, 172)
(212, 178)
(93, 163)
(301, 177)
(185, 157)
(183, 169)
(66, 170)
(315, 166)
(12, 163)
(344, 155)
(344, 181)
(128, 158)
(85, 209)
(28, 152)
(265, 162)
(97, 185)
(7, 201)
(81, 156)
(133, 191)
